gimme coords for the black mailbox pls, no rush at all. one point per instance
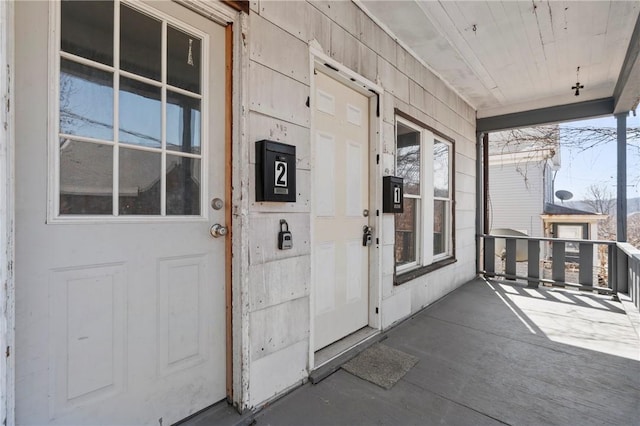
(275, 171)
(392, 194)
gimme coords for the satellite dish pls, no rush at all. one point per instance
(564, 195)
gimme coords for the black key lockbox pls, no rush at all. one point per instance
(275, 171)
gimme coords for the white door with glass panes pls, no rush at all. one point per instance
(120, 297)
(341, 196)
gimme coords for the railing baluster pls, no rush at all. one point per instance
(558, 256)
(489, 256)
(533, 259)
(622, 269)
(586, 264)
(510, 264)
(613, 265)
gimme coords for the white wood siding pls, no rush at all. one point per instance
(516, 197)
(279, 75)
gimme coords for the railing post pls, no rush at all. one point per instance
(489, 256)
(558, 258)
(586, 264)
(510, 261)
(622, 270)
(533, 259)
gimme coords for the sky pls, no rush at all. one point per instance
(597, 165)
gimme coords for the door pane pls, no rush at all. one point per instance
(86, 178)
(183, 123)
(183, 60)
(406, 224)
(87, 29)
(183, 185)
(86, 101)
(139, 182)
(140, 43)
(408, 158)
(140, 113)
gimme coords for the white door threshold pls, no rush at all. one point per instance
(329, 359)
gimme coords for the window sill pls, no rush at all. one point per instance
(423, 270)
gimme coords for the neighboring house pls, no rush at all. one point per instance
(521, 194)
(521, 176)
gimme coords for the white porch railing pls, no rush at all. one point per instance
(603, 266)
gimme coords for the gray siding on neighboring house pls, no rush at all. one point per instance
(516, 197)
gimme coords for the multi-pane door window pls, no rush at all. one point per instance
(130, 113)
(423, 232)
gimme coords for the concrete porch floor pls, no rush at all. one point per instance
(489, 353)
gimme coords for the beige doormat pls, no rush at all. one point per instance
(381, 365)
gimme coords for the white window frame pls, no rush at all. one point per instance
(425, 216)
(55, 56)
(449, 200)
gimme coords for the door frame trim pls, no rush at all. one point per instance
(237, 205)
(319, 60)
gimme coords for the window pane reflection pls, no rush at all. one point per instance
(406, 232)
(408, 158)
(183, 60)
(140, 43)
(140, 113)
(183, 123)
(439, 226)
(139, 182)
(183, 185)
(440, 169)
(86, 101)
(87, 29)
(86, 178)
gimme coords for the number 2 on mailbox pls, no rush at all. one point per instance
(281, 174)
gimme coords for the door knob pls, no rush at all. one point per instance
(218, 230)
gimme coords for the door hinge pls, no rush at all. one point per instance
(308, 101)
(377, 240)
(376, 309)
(8, 351)
(377, 158)
(377, 212)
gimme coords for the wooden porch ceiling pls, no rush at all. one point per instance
(506, 57)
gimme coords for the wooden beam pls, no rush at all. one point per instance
(241, 5)
(554, 114)
(627, 91)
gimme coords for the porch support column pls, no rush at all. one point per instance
(621, 205)
(479, 200)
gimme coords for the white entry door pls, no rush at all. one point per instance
(120, 297)
(341, 196)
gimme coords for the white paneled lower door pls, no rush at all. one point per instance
(120, 288)
(340, 210)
